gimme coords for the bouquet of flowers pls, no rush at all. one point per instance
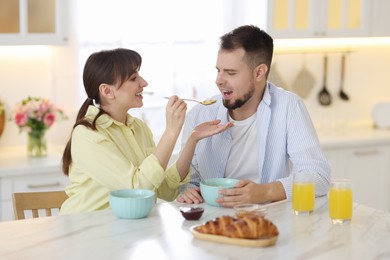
(35, 115)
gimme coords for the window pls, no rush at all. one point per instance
(177, 39)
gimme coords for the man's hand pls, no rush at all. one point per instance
(191, 196)
(247, 191)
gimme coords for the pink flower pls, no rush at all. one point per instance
(49, 119)
(36, 114)
(44, 107)
(21, 119)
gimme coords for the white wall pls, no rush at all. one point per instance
(43, 71)
(367, 82)
(32, 71)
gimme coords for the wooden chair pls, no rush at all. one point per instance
(35, 201)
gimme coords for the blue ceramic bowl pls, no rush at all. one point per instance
(132, 203)
(210, 187)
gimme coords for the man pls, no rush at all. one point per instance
(273, 137)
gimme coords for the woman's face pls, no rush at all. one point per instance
(129, 95)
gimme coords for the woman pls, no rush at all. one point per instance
(109, 149)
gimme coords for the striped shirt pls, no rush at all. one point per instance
(287, 142)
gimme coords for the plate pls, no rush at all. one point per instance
(260, 242)
(381, 115)
(256, 209)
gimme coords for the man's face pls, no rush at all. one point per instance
(234, 78)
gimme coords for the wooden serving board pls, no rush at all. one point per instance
(261, 242)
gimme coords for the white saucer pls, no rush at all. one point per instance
(381, 115)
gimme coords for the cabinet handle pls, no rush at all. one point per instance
(47, 185)
(366, 152)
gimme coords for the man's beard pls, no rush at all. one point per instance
(241, 101)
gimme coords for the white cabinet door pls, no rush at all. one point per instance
(334, 159)
(380, 19)
(29, 22)
(314, 18)
(369, 169)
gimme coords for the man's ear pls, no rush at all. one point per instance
(261, 71)
(106, 91)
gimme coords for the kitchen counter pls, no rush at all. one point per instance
(165, 234)
(353, 152)
(350, 136)
(14, 161)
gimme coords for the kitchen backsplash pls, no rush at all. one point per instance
(52, 72)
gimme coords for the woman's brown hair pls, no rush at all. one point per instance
(112, 67)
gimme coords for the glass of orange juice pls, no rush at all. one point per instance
(303, 193)
(340, 201)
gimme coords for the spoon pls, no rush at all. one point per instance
(342, 94)
(324, 96)
(148, 92)
(197, 172)
(205, 102)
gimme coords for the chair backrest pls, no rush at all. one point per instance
(35, 201)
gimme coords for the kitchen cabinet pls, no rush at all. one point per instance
(30, 22)
(380, 18)
(19, 173)
(314, 19)
(368, 166)
(27, 183)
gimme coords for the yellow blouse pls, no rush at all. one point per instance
(116, 156)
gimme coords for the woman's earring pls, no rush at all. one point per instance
(95, 103)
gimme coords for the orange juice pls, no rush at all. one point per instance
(340, 204)
(303, 197)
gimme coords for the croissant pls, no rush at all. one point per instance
(249, 226)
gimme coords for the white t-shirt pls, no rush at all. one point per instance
(243, 160)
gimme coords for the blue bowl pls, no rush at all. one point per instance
(210, 187)
(132, 203)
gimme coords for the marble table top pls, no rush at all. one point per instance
(165, 234)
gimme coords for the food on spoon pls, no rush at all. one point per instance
(249, 226)
(209, 102)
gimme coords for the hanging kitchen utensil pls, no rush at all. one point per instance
(275, 77)
(324, 96)
(342, 94)
(304, 82)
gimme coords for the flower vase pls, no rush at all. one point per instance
(37, 144)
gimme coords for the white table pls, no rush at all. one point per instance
(165, 235)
